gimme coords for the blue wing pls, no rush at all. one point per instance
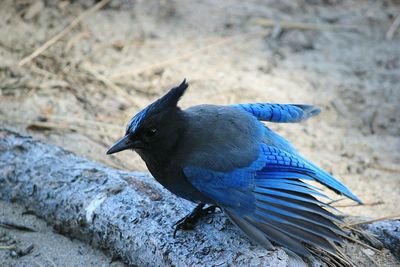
(279, 112)
(270, 200)
(284, 164)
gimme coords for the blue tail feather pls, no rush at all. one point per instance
(279, 112)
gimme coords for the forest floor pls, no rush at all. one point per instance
(340, 55)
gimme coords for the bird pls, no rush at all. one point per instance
(226, 157)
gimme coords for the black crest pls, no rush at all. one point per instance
(169, 100)
(172, 97)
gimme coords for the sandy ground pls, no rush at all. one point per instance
(80, 92)
(49, 247)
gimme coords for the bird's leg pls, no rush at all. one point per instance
(189, 221)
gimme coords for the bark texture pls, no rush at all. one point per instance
(127, 213)
(388, 232)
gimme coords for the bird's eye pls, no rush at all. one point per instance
(151, 132)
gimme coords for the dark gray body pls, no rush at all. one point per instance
(217, 138)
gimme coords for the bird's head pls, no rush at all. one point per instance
(156, 127)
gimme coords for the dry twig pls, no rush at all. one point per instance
(393, 27)
(20, 227)
(360, 243)
(374, 220)
(61, 34)
(301, 25)
(41, 125)
(12, 247)
(336, 200)
(358, 204)
(376, 166)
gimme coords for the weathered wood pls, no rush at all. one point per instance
(388, 232)
(127, 213)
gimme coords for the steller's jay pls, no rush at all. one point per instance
(224, 156)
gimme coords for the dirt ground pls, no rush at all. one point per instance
(49, 248)
(340, 55)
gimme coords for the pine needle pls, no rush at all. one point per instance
(374, 220)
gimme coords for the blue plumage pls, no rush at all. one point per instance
(225, 155)
(135, 121)
(272, 189)
(296, 167)
(279, 112)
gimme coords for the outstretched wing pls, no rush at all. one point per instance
(269, 200)
(282, 164)
(279, 112)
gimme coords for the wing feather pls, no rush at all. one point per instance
(279, 112)
(271, 200)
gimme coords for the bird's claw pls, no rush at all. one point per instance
(189, 222)
(186, 223)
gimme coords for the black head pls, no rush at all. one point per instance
(156, 128)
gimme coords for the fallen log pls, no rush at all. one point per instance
(127, 213)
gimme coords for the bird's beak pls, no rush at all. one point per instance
(123, 144)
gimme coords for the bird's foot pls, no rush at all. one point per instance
(189, 221)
